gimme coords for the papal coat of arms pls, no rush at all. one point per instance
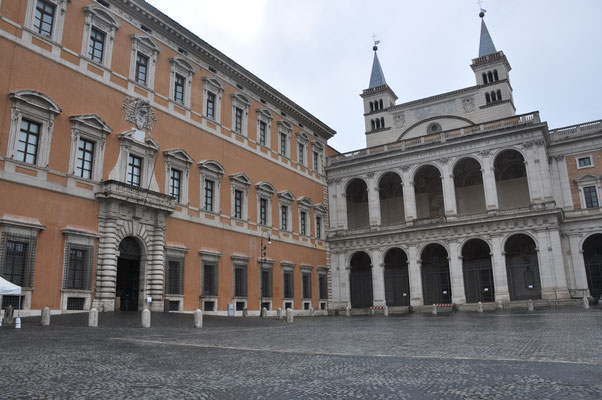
(140, 113)
(468, 104)
(399, 120)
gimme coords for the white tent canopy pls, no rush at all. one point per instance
(9, 288)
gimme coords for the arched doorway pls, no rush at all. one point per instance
(361, 280)
(511, 180)
(478, 274)
(522, 268)
(592, 255)
(429, 192)
(357, 205)
(127, 287)
(397, 281)
(436, 284)
(468, 182)
(391, 199)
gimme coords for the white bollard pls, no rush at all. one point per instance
(93, 318)
(434, 309)
(480, 307)
(45, 316)
(348, 310)
(146, 318)
(371, 311)
(264, 312)
(386, 311)
(312, 312)
(1, 318)
(245, 312)
(289, 315)
(530, 305)
(17, 323)
(198, 318)
(585, 302)
(279, 313)
(500, 305)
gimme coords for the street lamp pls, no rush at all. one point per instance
(264, 235)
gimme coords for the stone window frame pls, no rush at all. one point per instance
(36, 107)
(213, 85)
(320, 211)
(304, 204)
(24, 229)
(137, 144)
(210, 257)
(322, 272)
(213, 171)
(264, 115)
(302, 140)
(589, 180)
(317, 147)
(240, 261)
(92, 128)
(306, 270)
(175, 253)
(240, 101)
(184, 67)
(99, 18)
(79, 239)
(265, 190)
(58, 22)
(288, 267)
(242, 183)
(180, 160)
(267, 265)
(146, 46)
(284, 128)
(286, 198)
(591, 162)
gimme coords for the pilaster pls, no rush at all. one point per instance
(449, 191)
(489, 184)
(580, 277)
(456, 274)
(378, 278)
(373, 201)
(415, 277)
(409, 196)
(500, 276)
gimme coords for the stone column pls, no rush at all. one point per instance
(415, 277)
(557, 264)
(409, 196)
(106, 269)
(544, 170)
(342, 207)
(456, 274)
(449, 190)
(339, 272)
(373, 200)
(489, 184)
(546, 268)
(580, 277)
(378, 278)
(533, 173)
(498, 264)
(154, 264)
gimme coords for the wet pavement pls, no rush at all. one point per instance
(546, 354)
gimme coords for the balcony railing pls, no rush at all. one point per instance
(575, 130)
(131, 194)
(442, 137)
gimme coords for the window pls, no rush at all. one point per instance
(433, 128)
(284, 216)
(88, 136)
(286, 200)
(181, 74)
(18, 257)
(209, 279)
(304, 204)
(210, 105)
(134, 170)
(318, 227)
(301, 154)
(240, 280)
(316, 161)
(211, 178)
(584, 162)
(263, 211)
(174, 277)
(178, 94)
(174, 184)
(266, 281)
(78, 273)
(238, 204)
(44, 18)
(177, 168)
(209, 185)
(32, 122)
(143, 60)
(288, 284)
(141, 69)
(99, 35)
(487, 98)
(591, 197)
(265, 191)
(264, 125)
(323, 286)
(284, 134)
(97, 43)
(306, 283)
(303, 229)
(240, 111)
(283, 144)
(27, 148)
(212, 98)
(240, 192)
(320, 213)
(85, 159)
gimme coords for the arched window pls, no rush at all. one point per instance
(380, 104)
(484, 77)
(372, 123)
(499, 95)
(487, 98)
(495, 76)
(490, 76)
(382, 122)
(493, 96)
(371, 106)
(377, 123)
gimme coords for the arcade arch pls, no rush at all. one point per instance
(357, 204)
(468, 184)
(397, 281)
(429, 192)
(436, 283)
(391, 199)
(592, 256)
(360, 280)
(478, 271)
(522, 268)
(511, 180)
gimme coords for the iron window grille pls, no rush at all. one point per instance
(306, 283)
(141, 68)
(29, 137)
(97, 44)
(16, 302)
(78, 263)
(323, 287)
(288, 287)
(85, 159)
(240, 280)
(209, 279)
(266, 282)
(44, 18)
(17, 258)
(75, 303)
(174, 277)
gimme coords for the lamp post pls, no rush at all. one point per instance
(264, 235)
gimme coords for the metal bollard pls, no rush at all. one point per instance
(146, 318)
(434, 309)
(93, 318)
(289, 315)
(45, 316)
(17, 323)
(585, 302)
(480, 307)
(198, 318)
(530, 305)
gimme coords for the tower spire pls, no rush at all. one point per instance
(377, 77)
(486, 45)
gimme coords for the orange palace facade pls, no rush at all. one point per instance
(140, 165)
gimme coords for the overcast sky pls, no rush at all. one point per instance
(319, 53)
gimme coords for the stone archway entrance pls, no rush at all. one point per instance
(478, 273)
(397, 281)
(361, 281)
(436, 283)
(127, 285)
(592, 255)
(522, 268)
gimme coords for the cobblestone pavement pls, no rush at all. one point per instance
(549, 354)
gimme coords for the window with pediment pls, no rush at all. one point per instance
(239, 184)
(284, 138)
(590, 190)
(46, 18)
(264, 126)
(212, 98)
(304, 204)
(143, 60)
(302, 148)
(320, 213)
(265, 193)
(211, 179)
(285, 201)
(180, 78)
(99, 34)
(135, 163)
(88, 137)
(177, 171)
(317, 156)
(240, 113)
